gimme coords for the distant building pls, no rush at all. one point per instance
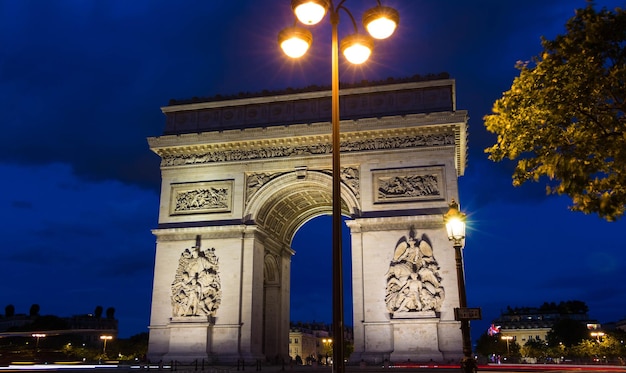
(15, 321)
(313, 342)
(615, 325)
(303, 344)
(87, 326)
(96, 326)
(525, 324)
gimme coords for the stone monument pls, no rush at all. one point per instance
(241, 174)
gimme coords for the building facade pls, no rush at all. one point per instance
(526, 324)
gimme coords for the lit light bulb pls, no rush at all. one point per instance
(357, 53)
(357, 48)
(381, 21)
(309, 12)
(381, 28)
(295, 41)
(294, 47)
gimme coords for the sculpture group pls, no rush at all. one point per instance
(196, 290)
(413, 280)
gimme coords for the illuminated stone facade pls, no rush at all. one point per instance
(240, 176)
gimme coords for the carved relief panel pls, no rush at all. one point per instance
(408, 184)
(201, 197)
(196, 289)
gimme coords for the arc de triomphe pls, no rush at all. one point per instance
(240, 175)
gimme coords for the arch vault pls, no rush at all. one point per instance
(241, 175)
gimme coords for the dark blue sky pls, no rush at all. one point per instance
(81, 86)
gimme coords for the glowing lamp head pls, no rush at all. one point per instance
(357, 48)
(310, 12)
(381, 21)
(295, 41)
(455, 223)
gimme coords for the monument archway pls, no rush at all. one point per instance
(241, 175)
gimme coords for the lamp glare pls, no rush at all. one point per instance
(294, 47)
(295, 41)
(357, 48)
(381, 21)
(357, 53)
(456, 229)
(381, 28)
(309, 12)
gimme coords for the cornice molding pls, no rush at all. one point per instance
(372, 134)
(395, 223)
(224, 231)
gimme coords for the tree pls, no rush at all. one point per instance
(573, 307)
(535, 349)
(567, 332)
(110, 313)
(564, 117)
(34, 310)
(98, 312)
(488, 345)
(9, 310)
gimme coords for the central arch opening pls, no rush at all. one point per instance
(293, 212)
(311, 272)
(311, 300)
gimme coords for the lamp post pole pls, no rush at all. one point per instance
(105, 338)
(338, 317)
(455, 225)
(507, 338)
(465, 328)
(380, 22)
(37, 336)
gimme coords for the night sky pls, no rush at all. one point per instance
(81, 87)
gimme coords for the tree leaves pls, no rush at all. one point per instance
(563, 118)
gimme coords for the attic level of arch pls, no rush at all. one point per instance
(311, 88)
(311, 107)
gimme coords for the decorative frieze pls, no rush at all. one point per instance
(293, 149)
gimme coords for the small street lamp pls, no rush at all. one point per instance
(105, 338)
(38, 335)
(598, 336)
(380, 22)
(455, 225)
(327, 347)
(507, 338)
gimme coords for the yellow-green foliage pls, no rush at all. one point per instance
(563, 117)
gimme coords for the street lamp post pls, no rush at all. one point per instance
(507, 338)
(380, 22)
(105, 338)
(455, 225)
(327, 344)
(38, 336)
